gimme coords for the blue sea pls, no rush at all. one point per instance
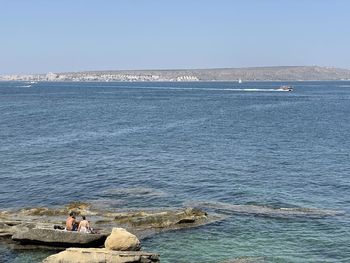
(220, 144)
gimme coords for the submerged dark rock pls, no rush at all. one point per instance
(281, 212)
(162, 219)
(246, 260)
(80, 208)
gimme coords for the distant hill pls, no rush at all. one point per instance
(284, 73)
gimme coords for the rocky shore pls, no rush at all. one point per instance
(119, 247)
(93, 255)
(36, 227)
(140, 222)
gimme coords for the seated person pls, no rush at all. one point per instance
(75, 224)
(70, 222)
(84, 226)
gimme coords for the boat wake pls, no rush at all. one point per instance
(163, 88)
(223, 89)
(258, 90)
(219, 89)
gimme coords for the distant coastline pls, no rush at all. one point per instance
(281, 73)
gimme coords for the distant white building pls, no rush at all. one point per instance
(51, 76)
(187, 78)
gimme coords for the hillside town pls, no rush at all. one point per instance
(282, 73)
(95, 77)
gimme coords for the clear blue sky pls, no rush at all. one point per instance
(74, 35)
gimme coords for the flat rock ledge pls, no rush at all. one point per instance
(101, 255)
(59, 238)
(142, 223)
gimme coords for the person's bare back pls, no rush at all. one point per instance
(84, 226)
(70, 223)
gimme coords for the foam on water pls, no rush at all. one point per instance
(213, 89)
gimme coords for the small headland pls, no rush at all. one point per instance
(42, 228)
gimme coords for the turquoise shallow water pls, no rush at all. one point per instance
(134, 145)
